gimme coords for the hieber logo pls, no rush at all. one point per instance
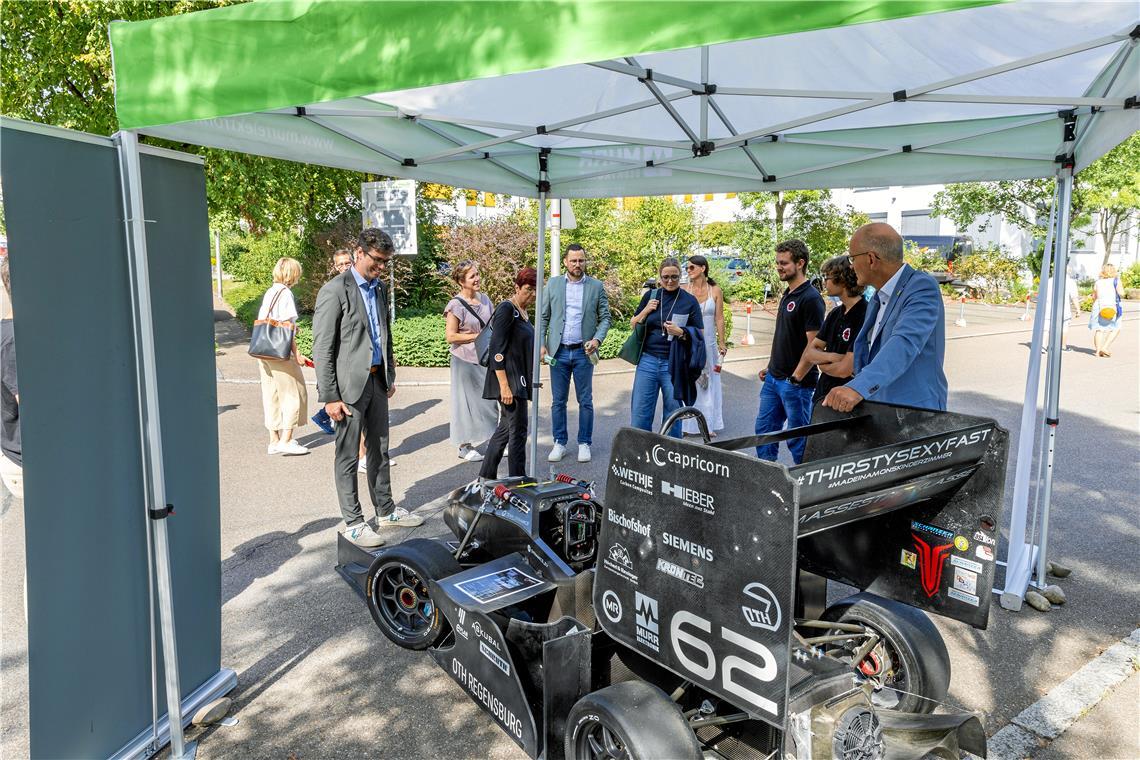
(931, 559)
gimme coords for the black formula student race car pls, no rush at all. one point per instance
(686, 617)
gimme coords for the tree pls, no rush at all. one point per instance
(1110, 188)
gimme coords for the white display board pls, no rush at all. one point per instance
(391, 206)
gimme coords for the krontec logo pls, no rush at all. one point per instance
(662, 456)
(629, 523)
(687, 546)
(943, 446)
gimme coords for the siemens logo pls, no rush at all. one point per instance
(629, 523)
(687, 546)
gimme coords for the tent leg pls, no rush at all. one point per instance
(1053, 375)
(1019, 561)
(536, 378)
(151, 430)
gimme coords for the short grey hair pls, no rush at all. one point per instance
(882, 239)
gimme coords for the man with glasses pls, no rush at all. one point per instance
(575, 319)
(789, 379)
(356, 375)
(899, 352)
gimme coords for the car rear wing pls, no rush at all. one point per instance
(902, 502)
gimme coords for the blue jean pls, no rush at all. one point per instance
(780, 402)
(651, 378)
(572, 363)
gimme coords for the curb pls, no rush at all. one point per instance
(1049, 717)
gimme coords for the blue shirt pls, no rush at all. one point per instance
(368, 293)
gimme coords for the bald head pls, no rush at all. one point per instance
(881, 238)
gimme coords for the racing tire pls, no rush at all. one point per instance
(629, 721)
(398, 594)
(909, 642)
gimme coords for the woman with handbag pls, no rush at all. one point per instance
(284, 396)
(664, 315)
(1106, 310)
(508, 380)
(473, 418)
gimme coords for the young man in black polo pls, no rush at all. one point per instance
(789, 379)
(831, 350)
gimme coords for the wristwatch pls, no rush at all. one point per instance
(792, 379)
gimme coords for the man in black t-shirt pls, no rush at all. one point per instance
(831, 350)
(789, 379)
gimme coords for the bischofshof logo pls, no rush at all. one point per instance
(662, 456)
(631, 524)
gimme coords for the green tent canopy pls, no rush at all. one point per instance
(642, 98)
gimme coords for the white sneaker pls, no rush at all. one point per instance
(363, 466)
(271, 449)
(583, 452)
(556, 453)
(362, 534)
(291, 448)
(471, 455)
(400, 518)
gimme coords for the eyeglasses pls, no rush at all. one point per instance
(692, 266)
(670, 277)
(378, 259)
(852, 257)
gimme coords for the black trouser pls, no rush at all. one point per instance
(370, 414)
(509, 435)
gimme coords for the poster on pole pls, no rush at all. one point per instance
(391, 206)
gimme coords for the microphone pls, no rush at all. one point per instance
(502, 493)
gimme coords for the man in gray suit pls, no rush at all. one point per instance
(356, 375)
(575, 318)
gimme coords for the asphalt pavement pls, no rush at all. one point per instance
(317, 680)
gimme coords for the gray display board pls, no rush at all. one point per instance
(89, 639)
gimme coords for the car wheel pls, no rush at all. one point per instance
(629, 721)
(398, 593)
(909, 667)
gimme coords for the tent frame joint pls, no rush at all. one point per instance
(1129, 102)
(703, 148)
(899, 96)
(409, 162)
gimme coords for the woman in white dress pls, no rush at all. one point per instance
(1106, 312)
(711, 298)
(284, 396)
(473, 418)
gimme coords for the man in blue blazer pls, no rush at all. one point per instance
(575, 320)
(900, 350)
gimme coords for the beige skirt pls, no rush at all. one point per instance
(283, 394)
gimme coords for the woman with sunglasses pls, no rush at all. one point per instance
(669, 315)
(709, 296)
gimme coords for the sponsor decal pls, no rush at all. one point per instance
(908, 559)
(962, 596)
(495, 658)
(984, 552)
(967, 564)
(964, 580)
(961, 544)
(645, 608)
(617, 560)
(638, 481)
(765, 613)
(846, 334)
(791, 306)
(486, 636)
(611, 605)
(661, 456)
(631, 524)
(538, 557)
(681, 573)
(855, 470)
(870, 504)
(461, 614)
(933, 530)
(487, 698)
(691, 498)
(982, 538)
(931, 560)
(687, 546)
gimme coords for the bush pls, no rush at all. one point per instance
(923, 258)
(748, 287)
(1130, 277)
(421, 341)
(614, 340)
(991, 271)
(250, 258)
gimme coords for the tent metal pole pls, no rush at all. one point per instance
(1018, 558)
(1053, 375)
(555, 237)
(151, 443)
(536, 377)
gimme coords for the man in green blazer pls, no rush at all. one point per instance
(575, 320)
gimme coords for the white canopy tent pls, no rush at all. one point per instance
(603, 99)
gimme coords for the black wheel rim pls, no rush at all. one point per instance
(401, 596)
(883, 668)
(597, 741)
